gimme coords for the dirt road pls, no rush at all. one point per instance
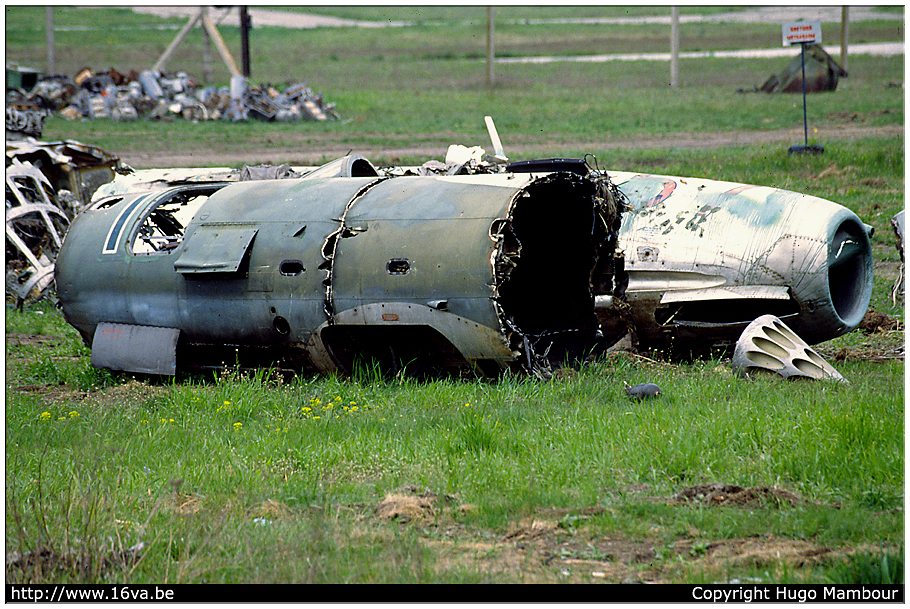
(758, 14)
(767, 14)
(308, 152)
(309, 149)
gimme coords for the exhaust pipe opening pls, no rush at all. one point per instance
(850, 272)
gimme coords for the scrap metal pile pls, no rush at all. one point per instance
(124, 97)
(47, 185)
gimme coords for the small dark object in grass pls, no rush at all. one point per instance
(642, 391)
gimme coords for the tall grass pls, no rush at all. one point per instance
(188, 467)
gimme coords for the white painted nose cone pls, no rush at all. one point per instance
(767, 344)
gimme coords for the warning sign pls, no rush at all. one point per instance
(802, 32)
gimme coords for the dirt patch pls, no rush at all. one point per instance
(20, 339)
(86, 564)
(132, 392)
(273, 510)
(874, 322)
(410, 504)
(857, 117)
(730, 494)
(550, 545)
(404, 508)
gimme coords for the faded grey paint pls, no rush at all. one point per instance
(298, 267)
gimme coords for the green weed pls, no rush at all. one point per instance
(867, 568)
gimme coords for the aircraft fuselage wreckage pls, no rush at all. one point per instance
(705, 258)
(433, 272)
(521, 266)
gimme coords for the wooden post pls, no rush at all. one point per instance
(844, 33)
(246, 25)
(490, 51)
(176, 41)
(49, 34)
(674, 46)
(207, 73)
(209, 28)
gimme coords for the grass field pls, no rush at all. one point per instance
(249, 478)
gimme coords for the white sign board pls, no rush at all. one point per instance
(799, 32)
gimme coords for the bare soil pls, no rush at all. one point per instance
(551, 544)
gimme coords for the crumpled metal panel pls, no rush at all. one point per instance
(897, 223)
(68, 164)
(35, 225)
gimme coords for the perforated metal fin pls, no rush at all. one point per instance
(768, 345)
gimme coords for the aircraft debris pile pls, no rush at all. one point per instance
(124, 97)
(439, 275)
(897, 223)
(25, 121)
(35, 225)
(476, 263)
(822, 74)
(23, 117)
(47, 185)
